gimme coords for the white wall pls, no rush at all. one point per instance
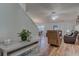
(23, 5)
(26, 22)
(8, 16)
(12, 20)
(77, 27)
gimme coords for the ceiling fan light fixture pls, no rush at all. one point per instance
(54, 17)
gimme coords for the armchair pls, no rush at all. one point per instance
(70, 38)
(54, 37)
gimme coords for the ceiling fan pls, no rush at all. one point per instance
(54, 16)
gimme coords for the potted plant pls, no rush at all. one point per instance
(24, 35)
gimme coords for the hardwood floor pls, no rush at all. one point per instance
(63, 50)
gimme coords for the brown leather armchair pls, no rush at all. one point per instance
(71, 39)
(54, 37)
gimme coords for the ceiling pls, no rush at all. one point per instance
(42, 12)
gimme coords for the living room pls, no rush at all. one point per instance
(60, 17)
(39, 29)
